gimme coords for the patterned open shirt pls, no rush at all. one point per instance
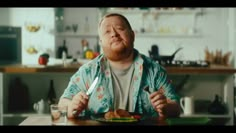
(146, 73)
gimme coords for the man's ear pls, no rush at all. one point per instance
(133, 35)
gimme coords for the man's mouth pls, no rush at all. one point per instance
(116, 40)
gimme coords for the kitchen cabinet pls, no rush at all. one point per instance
(203, 82)
(38, 86)
(155, 22)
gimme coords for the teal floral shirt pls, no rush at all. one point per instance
(146, 73)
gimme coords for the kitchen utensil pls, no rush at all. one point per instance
(169, 58)
(39, 106)
(154, 54)
(92, 87)
(187, 105)
(146, 88)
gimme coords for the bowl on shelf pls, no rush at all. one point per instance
(33, 27)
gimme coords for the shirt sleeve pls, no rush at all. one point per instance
(161, 81)
(76, 84)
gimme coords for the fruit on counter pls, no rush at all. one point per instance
(32, 50)
(89, 54)
(43, 59)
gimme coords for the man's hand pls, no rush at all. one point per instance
(78, 103)
(159, 103)
(165, 107)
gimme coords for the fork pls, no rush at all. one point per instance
(146, 88)
(161, 90)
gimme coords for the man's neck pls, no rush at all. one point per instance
(123, 64)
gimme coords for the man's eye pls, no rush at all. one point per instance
(105, 32)
(120, 28)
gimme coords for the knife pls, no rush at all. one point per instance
(89, 92)
(92, 87)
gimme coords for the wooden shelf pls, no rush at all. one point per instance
(73, 68)
(71, 34)
(200, 70)
(25, 69)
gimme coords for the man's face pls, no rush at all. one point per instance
(116, 38)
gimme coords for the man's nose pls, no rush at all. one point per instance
(113, 32)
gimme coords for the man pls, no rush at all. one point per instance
(123, 75)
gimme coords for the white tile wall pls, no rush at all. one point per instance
(212, 25)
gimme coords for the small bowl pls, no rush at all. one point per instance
(33, 28)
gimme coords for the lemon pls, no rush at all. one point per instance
(89, 55)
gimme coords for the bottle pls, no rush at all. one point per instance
(59, 19)
(64, 56)
(61, 49)
(51, 94)
(64, 47)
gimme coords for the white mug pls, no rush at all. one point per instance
(187, 105)
(39, 106)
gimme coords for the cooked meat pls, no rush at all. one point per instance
(109, 115)
(121, 113)
(117, 114)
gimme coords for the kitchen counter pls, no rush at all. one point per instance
(39, 68)
(201, 70)
(46, 120)
(75, 67)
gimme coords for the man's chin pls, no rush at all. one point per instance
(118, 55)
(115, 58)
(117, 45)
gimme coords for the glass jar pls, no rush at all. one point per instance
(59, 19)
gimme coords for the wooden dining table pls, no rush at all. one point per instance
(46, 120)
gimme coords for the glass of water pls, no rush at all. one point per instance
(58, 114)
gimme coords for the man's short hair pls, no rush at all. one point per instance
(115, 14)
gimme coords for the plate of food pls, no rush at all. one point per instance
(117, 120)
(117, 116)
